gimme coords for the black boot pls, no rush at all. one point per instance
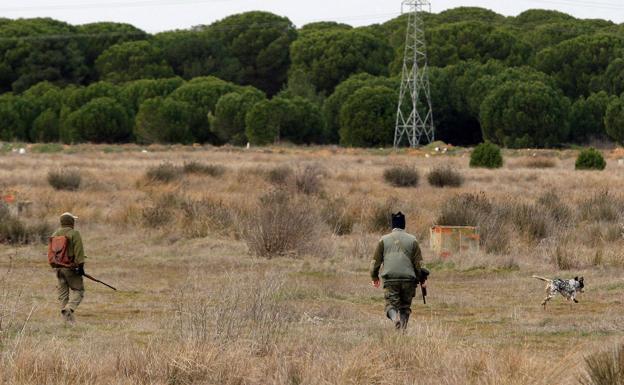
(404, 320)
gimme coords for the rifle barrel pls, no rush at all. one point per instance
(98, 281)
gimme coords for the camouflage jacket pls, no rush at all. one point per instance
(400, 256)
(76, 250)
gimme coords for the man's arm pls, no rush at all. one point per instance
(79, 255)
(416, 257)
(377, 261)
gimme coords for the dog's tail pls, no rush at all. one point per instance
(542, 278)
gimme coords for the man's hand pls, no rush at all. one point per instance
(80, 270)
(375, 283)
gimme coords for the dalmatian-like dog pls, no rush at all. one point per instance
(567, 288)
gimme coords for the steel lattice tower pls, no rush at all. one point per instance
(415, 115)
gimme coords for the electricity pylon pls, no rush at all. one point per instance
(415, 115)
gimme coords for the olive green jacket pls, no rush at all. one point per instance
(75, 250)
(400, 256)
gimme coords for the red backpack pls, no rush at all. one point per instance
(58, 252)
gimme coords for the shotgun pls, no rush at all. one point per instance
(104, 283)
(424, 275)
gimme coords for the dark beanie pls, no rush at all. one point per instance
(398, 221)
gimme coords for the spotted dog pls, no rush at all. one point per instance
(567, 288)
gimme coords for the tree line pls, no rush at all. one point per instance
(540, 79)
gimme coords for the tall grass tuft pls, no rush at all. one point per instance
(308, 180)
(401, 176)
(214, 170)
(279, 175)
(163, 173)
(337, 215)
(602, 206)
(604, 368)
(65, 179)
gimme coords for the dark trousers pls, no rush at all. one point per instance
(399, 295)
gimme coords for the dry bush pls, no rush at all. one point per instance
(601, 206)
(162, 211)
(380, 217)
(604, 368)
(308, 180)
(200, 217)
(477, 210)
(65, 179)
(14, 231)
(464, 210)
(337, 215)
(445, 177)
(279, 175)
(401, 176)
(537, 162)
(214, 170)
(529, 219)
(164, 173)
(282, 224)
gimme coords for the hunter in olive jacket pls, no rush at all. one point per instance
(400, 256)
(75, 250)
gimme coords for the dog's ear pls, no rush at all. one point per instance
(576, 278)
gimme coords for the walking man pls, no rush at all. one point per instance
(68, 265)
(399, 254)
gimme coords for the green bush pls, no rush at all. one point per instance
(486, 155)
(402, 176)
(445, 177)
(65, 179)
(590, 159)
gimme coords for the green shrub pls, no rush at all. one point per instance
(214, 170)
(402, 176)
(65, 179)
(590, 159)
(486, 155)
(445, 177)
(164, 172)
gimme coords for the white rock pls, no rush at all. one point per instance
(22, 151)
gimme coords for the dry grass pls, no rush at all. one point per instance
(195, 306)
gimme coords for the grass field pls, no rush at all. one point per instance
(196, 305)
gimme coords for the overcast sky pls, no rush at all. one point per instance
(162, 15)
